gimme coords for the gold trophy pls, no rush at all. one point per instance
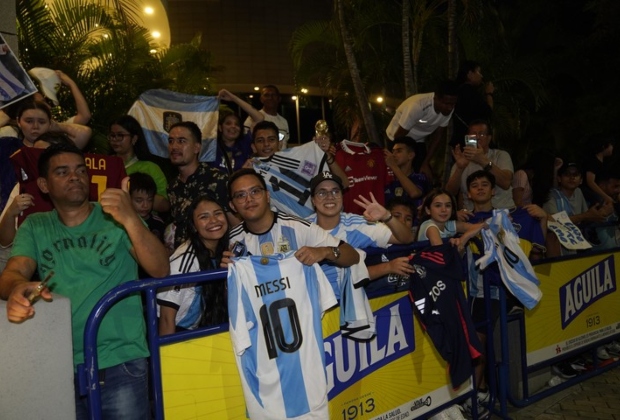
(321, 134)
(321, 129)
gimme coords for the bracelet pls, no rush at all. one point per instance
(488, 166)
(388, 219)
(332, 161)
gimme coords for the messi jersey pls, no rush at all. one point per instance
(439, 302)
(276, 305)
(288, 233)
(288, 174)
(103, 171)
(366, 172)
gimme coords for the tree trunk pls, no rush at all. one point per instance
(452, 53)
(360, 93)
(410, 86)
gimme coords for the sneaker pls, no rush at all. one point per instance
(482, 400)
(613, 348)
(467, 411)
(564, 370)
(602, 354)
(579, 364)
(483, 397)
(451, 413)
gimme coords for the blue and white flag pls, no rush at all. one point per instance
(157, 110)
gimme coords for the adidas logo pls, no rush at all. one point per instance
(420, 304)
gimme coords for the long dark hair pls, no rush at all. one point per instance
(428, 200)
(220, 138)
(129, 123)
(214, 295)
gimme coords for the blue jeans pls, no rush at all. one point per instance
(124, 393)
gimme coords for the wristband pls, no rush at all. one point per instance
(328, 162)
(488, 166)
(388, 219)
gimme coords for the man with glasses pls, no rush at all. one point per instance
(265, 232)
(195, 178)
(475, 157)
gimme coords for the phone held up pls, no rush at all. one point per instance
(471, 141)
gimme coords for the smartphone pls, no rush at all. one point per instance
(471, 141)
(238, 249)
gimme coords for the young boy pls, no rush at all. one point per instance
(142, 191)
(480, 190)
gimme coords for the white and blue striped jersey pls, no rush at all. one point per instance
(186, 298)
(358, 232)
(356, 317)
(501, 245)
(275, 305)
(288, 233)
(288, 173)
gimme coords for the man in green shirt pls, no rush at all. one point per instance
(92, 248)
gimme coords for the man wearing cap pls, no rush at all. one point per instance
(471, 159)
(569, 198)
(359, 231)
(265, 232)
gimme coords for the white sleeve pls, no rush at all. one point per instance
(239, 331)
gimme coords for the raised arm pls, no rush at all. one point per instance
(82, 115)
(225, 95)
(80, 134)
(146, 248)
(375, 212)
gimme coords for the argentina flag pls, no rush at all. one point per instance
(158, 109)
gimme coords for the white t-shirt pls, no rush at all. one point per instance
(278, 120)
(417, 114)
(502, 198)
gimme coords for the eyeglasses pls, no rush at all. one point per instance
(241, 196)
(119, 136)
(322, 194)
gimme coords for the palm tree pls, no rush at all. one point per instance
(111, 57)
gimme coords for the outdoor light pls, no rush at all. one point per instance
(149, 10)
(155, 34)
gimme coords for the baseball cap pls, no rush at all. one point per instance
(48, 80)
(324, 176)
(569, 168)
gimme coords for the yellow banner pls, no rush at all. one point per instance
(397, 375)
(579, 306)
